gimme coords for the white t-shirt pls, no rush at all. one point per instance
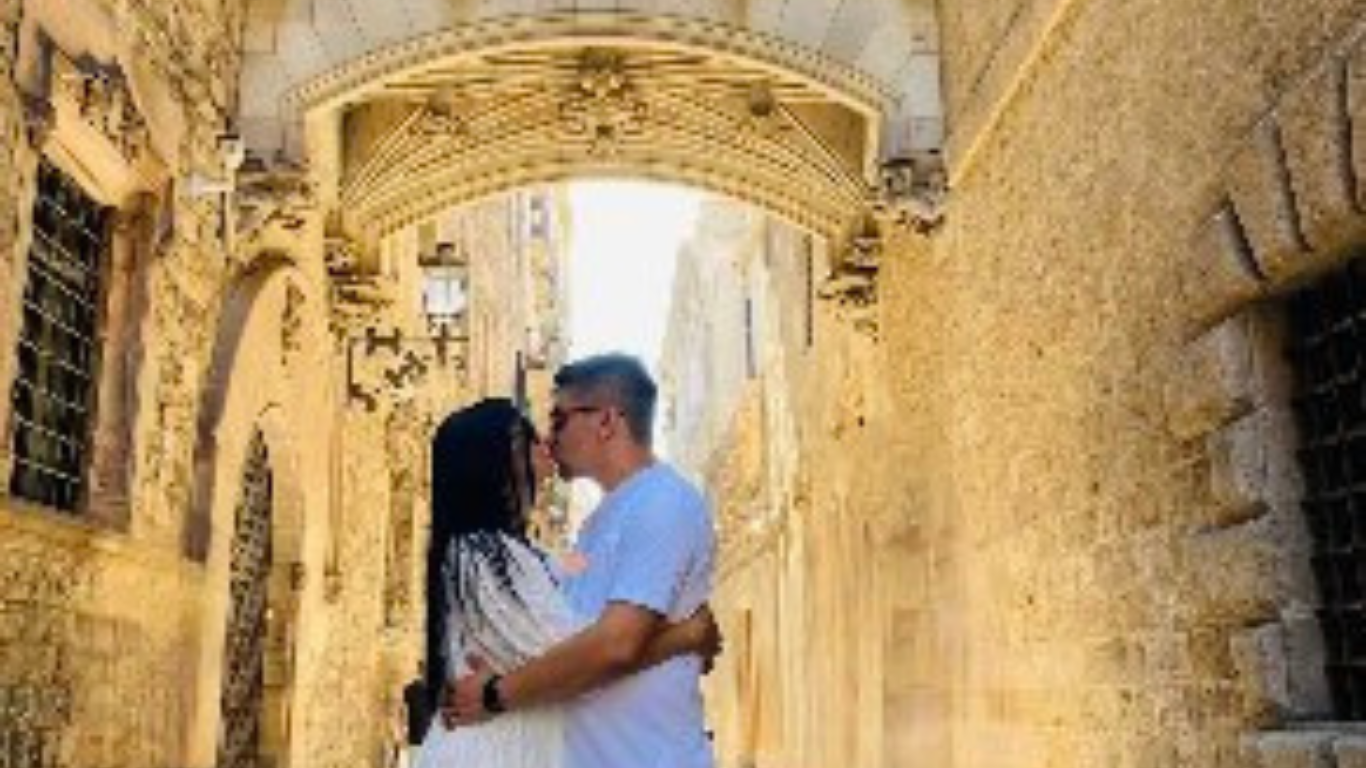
(650, 543)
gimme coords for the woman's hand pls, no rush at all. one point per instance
(703, 636)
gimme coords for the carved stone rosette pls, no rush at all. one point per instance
(603, 105)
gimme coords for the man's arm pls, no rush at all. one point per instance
(613, 647)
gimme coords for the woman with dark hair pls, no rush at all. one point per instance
(493, 594)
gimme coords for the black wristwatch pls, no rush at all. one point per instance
(493, 698)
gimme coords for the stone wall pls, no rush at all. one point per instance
(1082, 590)
(101, 628)
(1051, 516)
(113, 619)
(791, 452)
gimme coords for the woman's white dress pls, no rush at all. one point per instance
(506, 632)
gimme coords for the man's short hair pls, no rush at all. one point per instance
(621, 379)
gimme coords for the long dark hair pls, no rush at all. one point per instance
(477, 497)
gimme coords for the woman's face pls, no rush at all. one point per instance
(542, 463)
(542, 466)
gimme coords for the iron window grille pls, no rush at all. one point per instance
(57, 349)
(246, 642)
(1328, 354)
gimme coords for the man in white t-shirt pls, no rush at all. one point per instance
(649, 550)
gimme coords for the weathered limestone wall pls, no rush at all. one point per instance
(786, 448)
(1080, 588)
(1051, 517)
(101, 630)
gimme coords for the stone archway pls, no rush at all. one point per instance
(824, 123)
(252, 407)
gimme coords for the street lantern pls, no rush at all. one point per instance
(445, 281)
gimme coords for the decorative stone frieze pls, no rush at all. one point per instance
(743, 128)
(440, 121)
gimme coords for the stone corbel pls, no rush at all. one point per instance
(359, 294)
(912, 190)
(271, 198)
(852, 282)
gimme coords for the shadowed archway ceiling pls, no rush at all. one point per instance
(466, 127)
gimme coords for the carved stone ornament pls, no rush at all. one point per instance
(852, 283)
(603, 105)
(272, 196)
(341, 256)
(291, 325)
(440, 121)
(912, 190)
(103, 100)
(39, 119)
(359, 297)
(387, 365)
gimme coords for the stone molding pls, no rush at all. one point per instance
(621, 29)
